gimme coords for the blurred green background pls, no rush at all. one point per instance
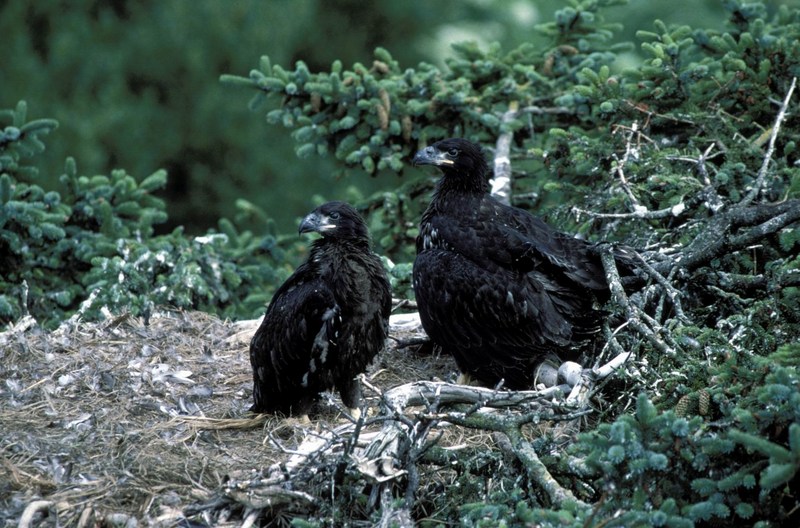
(135, 84)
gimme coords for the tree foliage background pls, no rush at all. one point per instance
(677, 139)
(134, 86)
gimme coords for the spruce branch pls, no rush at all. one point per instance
(708, 194)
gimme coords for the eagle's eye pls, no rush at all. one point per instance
(453, 152)
(334, 215)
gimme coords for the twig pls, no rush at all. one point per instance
(31, 510)
(496, 421)
(257, 497)
(699, 162)
(541, 110)
(644, 109)
(762, 172)
(612, 366)
(673, 294)
(24, 298)
(312, 447)
(363, 380)
(86, 518)
(713, 202)
(611, 339)
(620, 165)
(16, 330)
(579, 397)
(393, 516)
(286, 451)
(639, 211)
(419, 446)
(398, 304)
(409, 342)
(251, 518)
(69, 324)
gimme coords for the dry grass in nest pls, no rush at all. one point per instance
(104, 422)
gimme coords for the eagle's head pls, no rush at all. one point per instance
(335, 220)
(460, 161)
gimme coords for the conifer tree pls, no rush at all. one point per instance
(90, 245)
(692, 159)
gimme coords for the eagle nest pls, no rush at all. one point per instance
(120, 422)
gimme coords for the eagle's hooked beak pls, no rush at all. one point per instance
(316, 223)
(431, 156)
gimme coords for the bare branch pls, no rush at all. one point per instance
(546, 110)
(620, 165)
(707, 194)
(673, 294)
(715, 238)
(639, 211)
(538, 472)
(612, 366)
(501, 182)
(739, 282)
(762, 172)
(632, 312)
(420, 392)
(32, 509)
(398, 304)
(772, 225)
(256, 496)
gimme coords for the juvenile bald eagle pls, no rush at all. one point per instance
(327, 322)
(496, 286)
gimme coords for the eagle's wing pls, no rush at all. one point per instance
(297, 335)
(498, 283)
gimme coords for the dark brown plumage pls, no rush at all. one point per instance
(327, 322)
(496, 286)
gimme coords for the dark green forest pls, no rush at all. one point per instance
(134, 85)
(158, 154)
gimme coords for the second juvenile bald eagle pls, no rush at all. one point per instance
(496, 286)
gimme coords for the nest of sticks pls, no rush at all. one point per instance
(119, 423)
